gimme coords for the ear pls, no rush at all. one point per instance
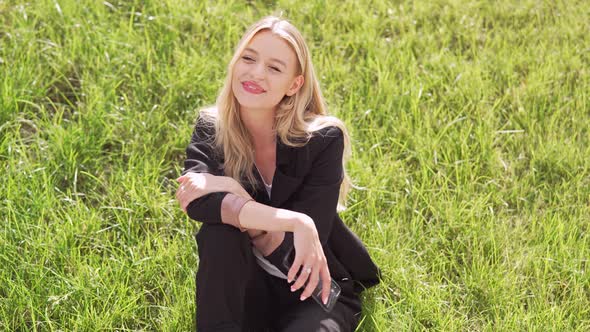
(296, 85)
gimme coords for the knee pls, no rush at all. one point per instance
(222, 243)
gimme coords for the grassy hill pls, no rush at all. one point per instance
(470, 125)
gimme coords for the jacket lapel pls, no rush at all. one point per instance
(285, 181)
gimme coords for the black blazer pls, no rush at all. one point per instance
(307, 179)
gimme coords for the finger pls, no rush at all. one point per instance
(181, 178)
(311, 285)
(294, 268)
(187, 198)
(303, 276)
(182, 198)
(185, 183)
(179, 191)
(326, 283)
(179, 196)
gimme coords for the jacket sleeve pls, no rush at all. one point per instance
(318, 195)
(200, 158)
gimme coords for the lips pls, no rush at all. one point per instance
(252, 87)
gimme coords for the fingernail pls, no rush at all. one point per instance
(302, 298)
(292, 289)
(325, 301)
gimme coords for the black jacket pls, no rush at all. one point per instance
(307, 179)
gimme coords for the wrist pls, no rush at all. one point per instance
(302, 222)
(236, 188)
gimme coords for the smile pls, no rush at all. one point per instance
(252, 87)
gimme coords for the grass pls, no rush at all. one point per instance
(470, 124)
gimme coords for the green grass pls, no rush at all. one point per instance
(470, 124)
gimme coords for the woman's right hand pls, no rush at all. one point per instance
(195, 185)
(310, 259)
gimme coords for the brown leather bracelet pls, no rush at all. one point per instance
(231, 205)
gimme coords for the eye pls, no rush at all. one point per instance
(275, 69)
(247, 58)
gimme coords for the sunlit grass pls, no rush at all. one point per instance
(470, 124)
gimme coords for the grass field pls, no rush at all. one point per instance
(470, 125)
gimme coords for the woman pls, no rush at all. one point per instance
(263, 173)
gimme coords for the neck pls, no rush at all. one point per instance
(259, 123)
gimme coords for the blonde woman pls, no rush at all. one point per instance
(264, 173)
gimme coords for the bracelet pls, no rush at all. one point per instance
(231, 205)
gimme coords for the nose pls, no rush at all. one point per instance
(258, 71)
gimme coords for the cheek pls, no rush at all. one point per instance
(239, 69)
(236, 71)
(236, 74)
(283, 86)
(279, 90)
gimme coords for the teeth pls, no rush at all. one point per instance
(253, 87)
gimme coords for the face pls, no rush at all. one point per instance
(265, 72)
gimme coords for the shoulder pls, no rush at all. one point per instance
(324, 137)
(321, 157)
(328, 132)
(325, 143)
(325, 129)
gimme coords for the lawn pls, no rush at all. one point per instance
(470, 128)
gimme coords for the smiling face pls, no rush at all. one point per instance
(266, 71)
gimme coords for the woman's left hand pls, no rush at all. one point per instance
(310, 261)
(195, 185)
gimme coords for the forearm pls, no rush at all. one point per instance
(257, 216)
(277, 227)
(254, 215)
(268, 227)
(228, 184)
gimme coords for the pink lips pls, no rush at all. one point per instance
(252, 87)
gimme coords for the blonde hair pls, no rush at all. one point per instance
(296, 118)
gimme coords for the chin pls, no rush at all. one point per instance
(246, 102)
(250, 101)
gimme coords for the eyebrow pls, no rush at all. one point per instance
(271, 59)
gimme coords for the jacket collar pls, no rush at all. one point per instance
(285, 180)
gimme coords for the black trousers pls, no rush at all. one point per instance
(235, 294)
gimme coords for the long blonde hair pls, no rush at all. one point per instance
(296, 118)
